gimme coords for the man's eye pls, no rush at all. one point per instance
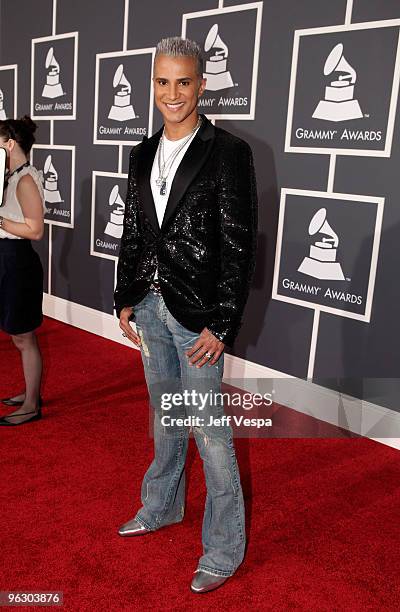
(185, 83)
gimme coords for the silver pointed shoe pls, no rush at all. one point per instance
(203, 582)
(132, 528)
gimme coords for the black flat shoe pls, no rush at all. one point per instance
(10, 402)
(36, 417)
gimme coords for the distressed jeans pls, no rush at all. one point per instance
(167, 372)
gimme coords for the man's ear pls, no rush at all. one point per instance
(202, 87)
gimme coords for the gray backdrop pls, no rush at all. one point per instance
(275, 333)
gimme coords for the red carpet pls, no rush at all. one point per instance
(323, 514)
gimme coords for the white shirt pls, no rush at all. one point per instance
(160, 201)
(12, 209)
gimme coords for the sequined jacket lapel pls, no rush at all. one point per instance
(189, 167)
(205, 249)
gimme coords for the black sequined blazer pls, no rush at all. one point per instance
(205, 248)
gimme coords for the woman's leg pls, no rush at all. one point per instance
(31, 358)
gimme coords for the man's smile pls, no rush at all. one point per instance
(174, 106)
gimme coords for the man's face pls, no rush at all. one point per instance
(177, 87)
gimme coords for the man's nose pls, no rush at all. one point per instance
(173, 91)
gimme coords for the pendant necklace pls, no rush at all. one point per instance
(165, 165)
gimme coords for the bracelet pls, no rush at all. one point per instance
(1, 222)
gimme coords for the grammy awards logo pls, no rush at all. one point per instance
(339, 103)
(114, 226)
(217, 75)
(52, 87)
(321, 262)
(3, 115)
(122, 109)
(51, 192)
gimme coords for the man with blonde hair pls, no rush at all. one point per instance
(184, 271)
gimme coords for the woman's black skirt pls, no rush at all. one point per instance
(21, 286)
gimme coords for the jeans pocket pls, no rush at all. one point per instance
(138, 307)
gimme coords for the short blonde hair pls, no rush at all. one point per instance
(175, 46)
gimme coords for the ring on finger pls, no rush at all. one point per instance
(208, 354)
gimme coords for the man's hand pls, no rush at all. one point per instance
(126, 326)
(207, 343)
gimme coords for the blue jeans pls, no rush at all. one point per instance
(167, 371)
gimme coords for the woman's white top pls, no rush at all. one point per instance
(11, 208)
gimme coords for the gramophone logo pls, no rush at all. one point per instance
(122, 109)
(114, 226)
(51, 191)
(124, 100)
(217, 74)
(54, 73)
(339, 103)
(3, 115)
(342, 233)
(230, 38)
(107, 213)
(57, 163)
(8, 91)
(52, 87)
(321, 263)
(350, 108)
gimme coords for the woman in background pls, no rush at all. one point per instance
(21, 272)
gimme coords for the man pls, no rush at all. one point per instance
(185, 266)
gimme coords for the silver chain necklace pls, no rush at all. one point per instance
(165, 165)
